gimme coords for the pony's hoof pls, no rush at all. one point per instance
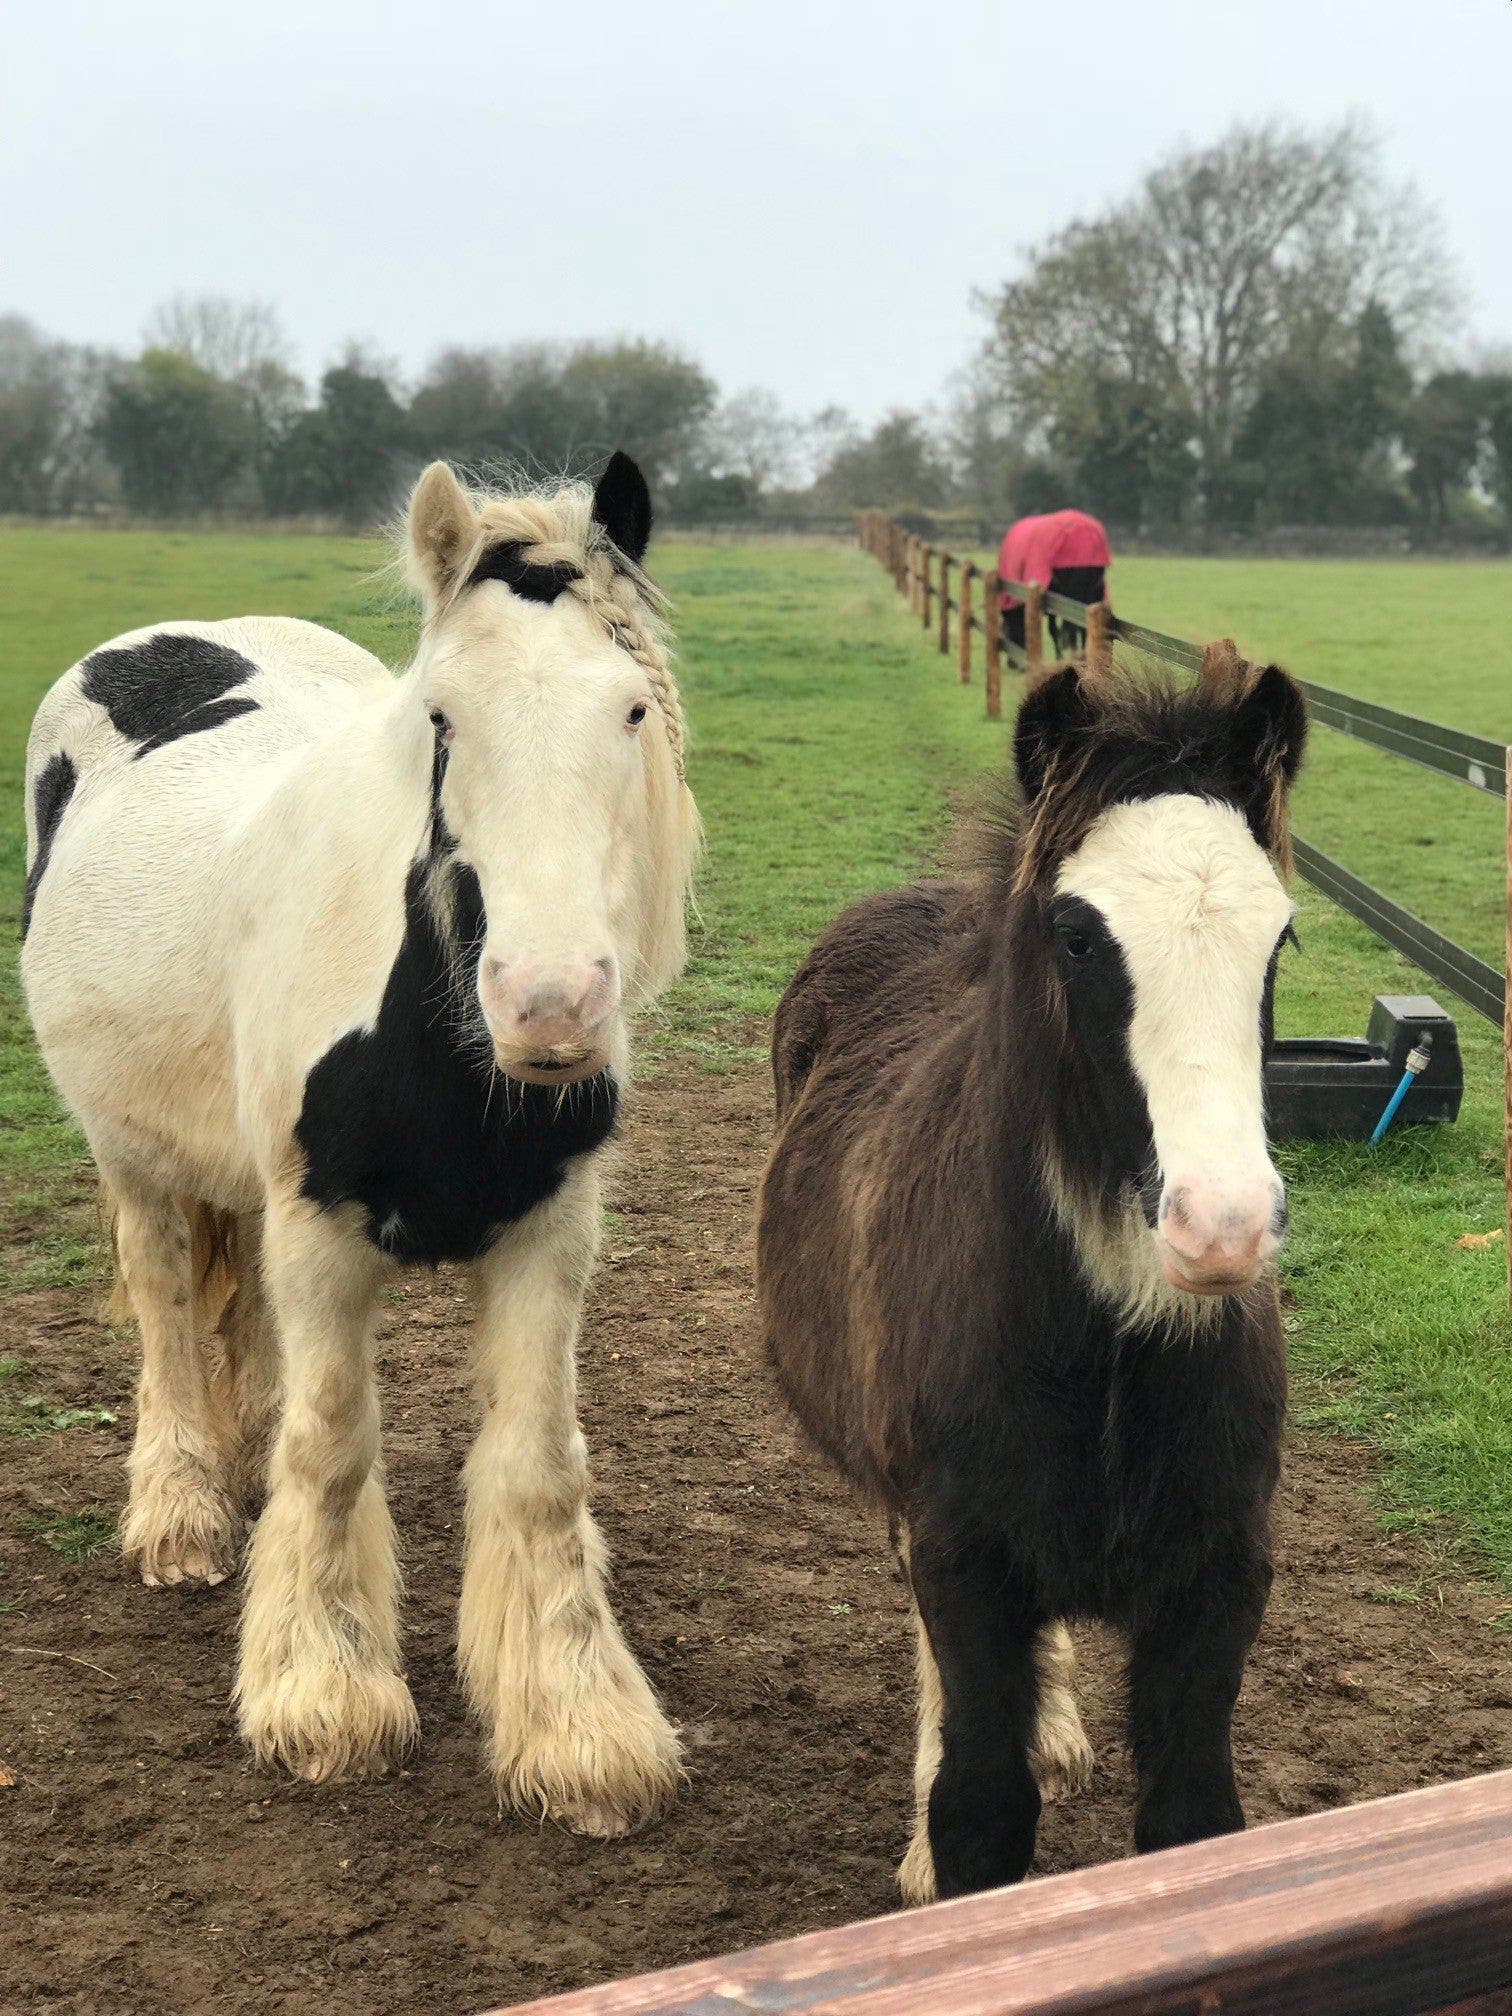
(181, 1530)
(1062, 1759)
(599, 1785)
(329, 1721)
(916, 1872)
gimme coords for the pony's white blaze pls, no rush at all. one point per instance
(1196, 909)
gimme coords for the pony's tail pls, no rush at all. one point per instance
(213, 1261)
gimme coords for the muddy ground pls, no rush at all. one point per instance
(146, 1866)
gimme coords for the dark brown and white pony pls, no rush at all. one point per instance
(1015, 1246)
(335, 968)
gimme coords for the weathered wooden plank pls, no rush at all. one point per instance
(1396, 1908)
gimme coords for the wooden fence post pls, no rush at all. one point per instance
(946, 563)
(992, 644)
(963, 642)
(926, 605)
(1034, 626)
(1099, 641)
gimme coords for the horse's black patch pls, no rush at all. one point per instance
(506, 562)
(1109, 1130)
(410, 1120)
(167, 687)
(55, 786)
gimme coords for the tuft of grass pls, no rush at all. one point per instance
(32, 1415)
(77, 1536)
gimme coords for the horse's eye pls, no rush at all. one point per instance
(439, 722)
(1078, 945)
(636, 715)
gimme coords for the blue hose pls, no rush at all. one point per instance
(1417, 1061)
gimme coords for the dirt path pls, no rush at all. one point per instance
(145, 1866)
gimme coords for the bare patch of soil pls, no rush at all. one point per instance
(145, 1865)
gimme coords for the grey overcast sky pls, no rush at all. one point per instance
(802, 193)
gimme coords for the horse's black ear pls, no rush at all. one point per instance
(1269, 731)
(1051, 714)
(622, 505)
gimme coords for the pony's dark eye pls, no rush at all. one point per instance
(636, 715)
(439, 722)
(1078, 945)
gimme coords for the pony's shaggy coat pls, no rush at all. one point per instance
(263, 872)
(960, 1279)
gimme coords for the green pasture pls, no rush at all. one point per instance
(831, 743)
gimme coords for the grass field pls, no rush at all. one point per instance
(830, 743)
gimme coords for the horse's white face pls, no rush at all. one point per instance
(555, 779)
(540, 718)
(1168, 917)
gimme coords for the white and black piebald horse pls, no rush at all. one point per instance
(334, 968)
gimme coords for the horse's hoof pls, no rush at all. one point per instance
(329, 1722)
(181, 1529)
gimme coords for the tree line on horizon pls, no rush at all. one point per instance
(1261, 335)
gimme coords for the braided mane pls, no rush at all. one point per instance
(555, 535)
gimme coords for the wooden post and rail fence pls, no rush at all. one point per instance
(1402, 1907)
(923, 573)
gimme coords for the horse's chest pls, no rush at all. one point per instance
(408, 1120)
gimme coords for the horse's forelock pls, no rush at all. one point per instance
(1147, 737)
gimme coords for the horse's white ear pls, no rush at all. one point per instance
(442, 527)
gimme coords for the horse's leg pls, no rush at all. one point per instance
(319, 1687)
(575, 1731)
(1059, 1756)
(984, 1805)
(247, 1374)
(1186, 1666)
(181, 1522)
(916, 1872)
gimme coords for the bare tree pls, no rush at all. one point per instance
(750, 435)
(1269, 241)
(233, 339)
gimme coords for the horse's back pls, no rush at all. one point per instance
(266, 681)
(867, 980)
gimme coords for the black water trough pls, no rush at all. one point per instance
(1335, 1088)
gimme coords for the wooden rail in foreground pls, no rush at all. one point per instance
(1450, 752)
(1398, 1908)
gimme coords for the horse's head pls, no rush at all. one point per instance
(1152, 822)
(556, 757)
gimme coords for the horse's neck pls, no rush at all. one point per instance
(360, 791)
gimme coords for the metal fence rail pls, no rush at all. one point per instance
(1480, 986)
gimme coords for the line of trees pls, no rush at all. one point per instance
(1261, 335)
(211, 416)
